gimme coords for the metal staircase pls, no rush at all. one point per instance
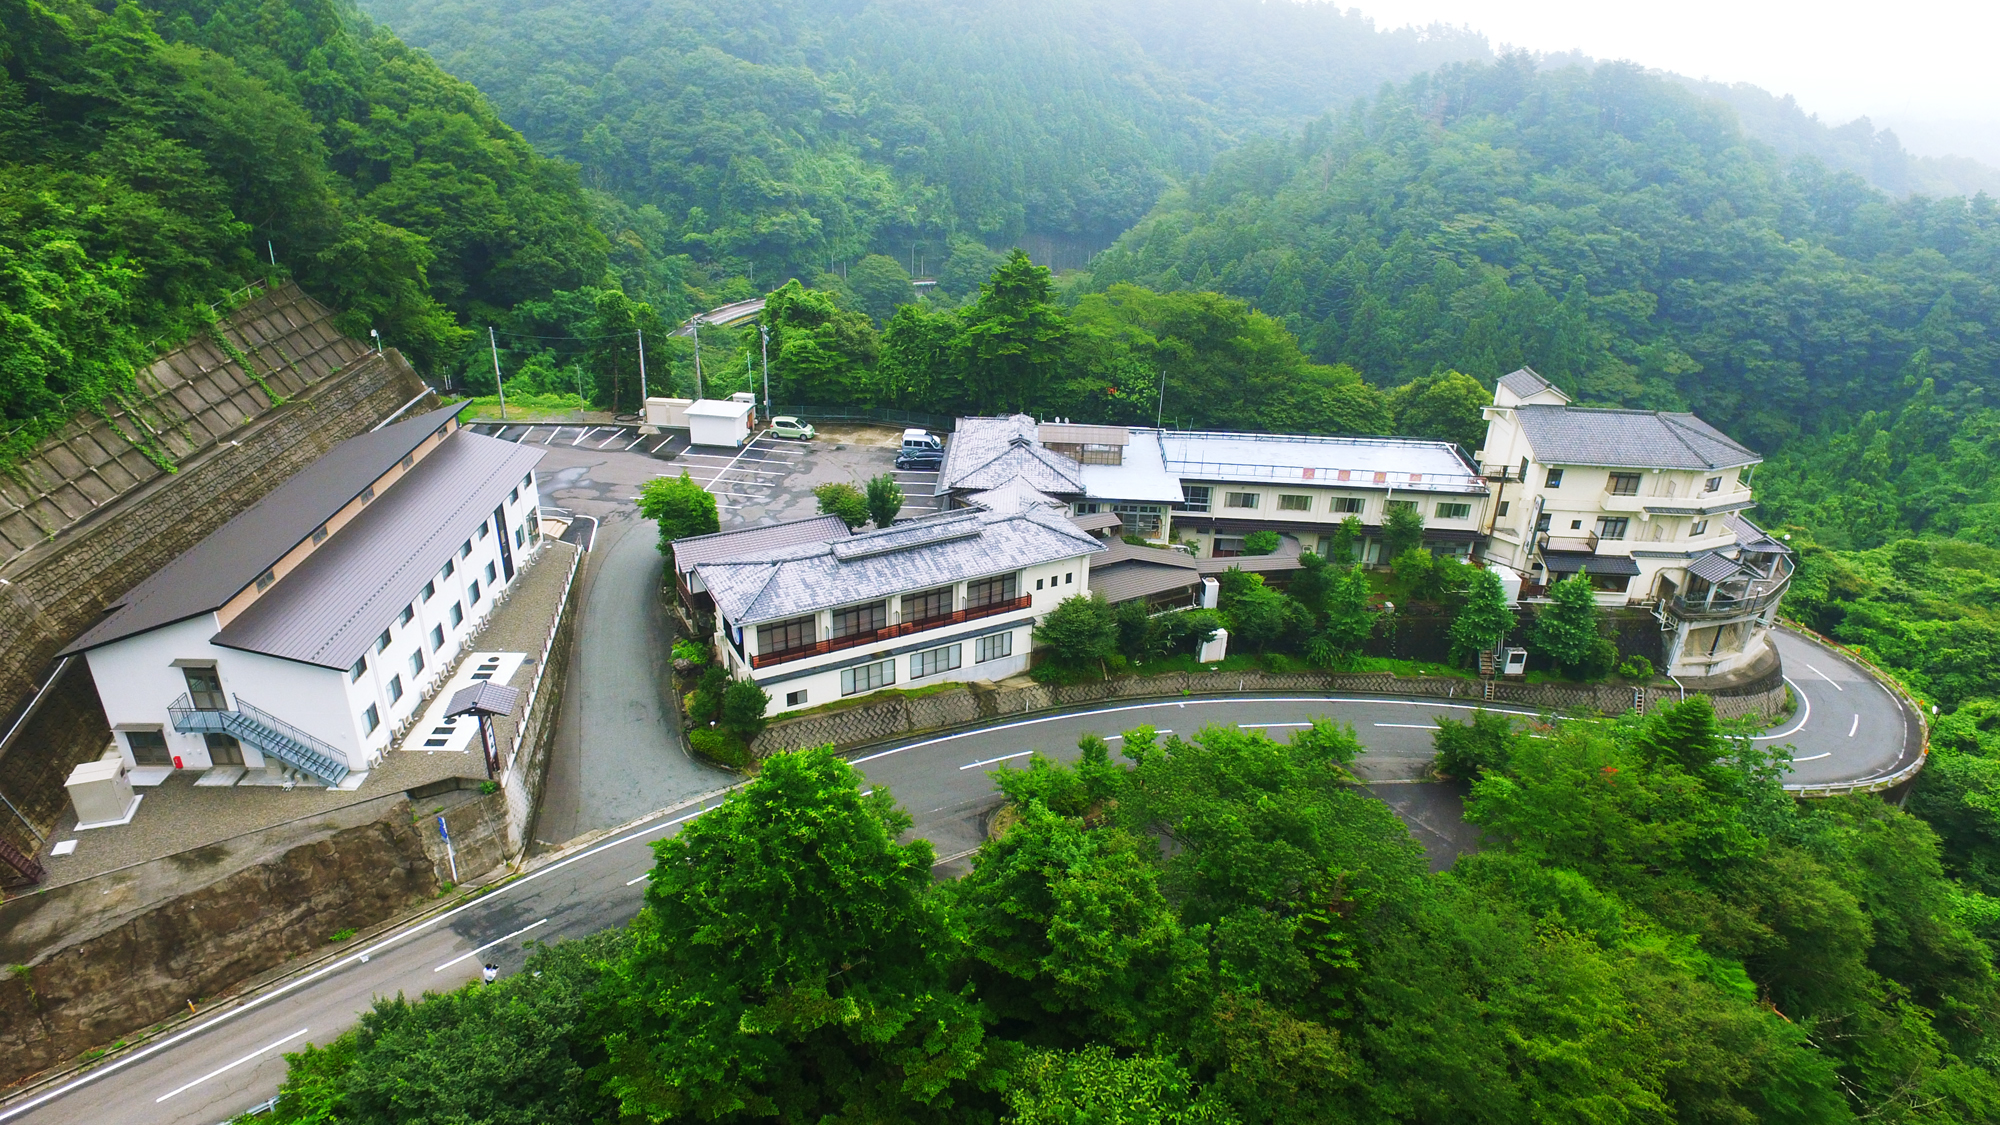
(268, 733)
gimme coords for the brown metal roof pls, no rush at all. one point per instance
(1063, 433)
(332, 606)
(1124, 572)
(235, 554)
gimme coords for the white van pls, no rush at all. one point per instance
(916, 441)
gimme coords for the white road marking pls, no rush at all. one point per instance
(1814, 757)
(640, 879)
(1410, 726)
(1805, 712)
(635, 441)
(1156, 730)
(990, 761)
(663, 444)
(1854, 726)
(581, 436)
(552, 434)
(488, 945)
(615, 435)
(231, 1066)
(1265, 726)
(1824, 676)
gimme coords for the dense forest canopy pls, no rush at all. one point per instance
(790, 135)
(1606, 226)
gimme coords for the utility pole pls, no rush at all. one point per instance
(1161, 409)
(642, 370)
(271, 250)
(764, 338)
(697, 358)
(498, 385)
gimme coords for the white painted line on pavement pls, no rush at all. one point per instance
(1156, 730)
(1854, 726)
(640, 879)
(488, 945)
(1226, 700)
(1824, 676)
(1410, 726)
(552, 434)
(990, 761)
(635, 441)
(231, 1066)
(1267, 726)
(581, 436)
(1814, 757)
(1805, 712)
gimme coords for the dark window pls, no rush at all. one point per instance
(927, 605)
(1196, 498)
(1612, 527)
(395, 688)
(513, 496)
(370, 719)
(457, 614)
(1555, 479)
(360, 666)
(1349, 505)
(1714, 485)
(205, 689)
(403, 618)
(430, 590)
(264, 581)
(794, 698)
(1038, 583)
(472, 594)
(1504, 504)
(1542, 522)
(1453, 511)
(149, 747)
(449, 568)
(1289, 502)
(1226, 548)
(1624, 484)
(783, 636)
(223, 750)
(484, 529)
(382, 642)
(1699, 529)
(860, 619)
(491, 574)
(1409, 504)
(1069, 579)
(990, 591)
(465, 549)
(437, 637)
(416, 663)
(409, 459)
(1239, 499)
(320, 535)
(368, 494)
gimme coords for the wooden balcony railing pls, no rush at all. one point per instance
(887, 632)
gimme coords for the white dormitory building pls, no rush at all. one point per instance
(293, 643)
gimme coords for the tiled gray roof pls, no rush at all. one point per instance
(1639, 439)
(992, 452)
(218, 568)
(1524, 382)
(697, 549)
(1714, 566)
(331, 607)
(807, 577)
(1013, 496)
(1751, 536)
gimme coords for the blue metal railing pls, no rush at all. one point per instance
(266, 732)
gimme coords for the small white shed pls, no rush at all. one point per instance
(670, 413)
(716, 422)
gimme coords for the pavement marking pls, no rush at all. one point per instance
(1824, 676)
(1156, 730)
(1410, 726)
(581, 436)
(635, 441)
(1226, 701)
(1805, 712)
(662, 445)
(231, 1066)
(1855, 725)
(488, 945)
(553, 430)
(990, 761)
(1814, 757)
(640, 879)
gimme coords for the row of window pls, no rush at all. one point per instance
(930, 662)
(1617, 527)
(924, 605)
(371, 716)
(1622, 484)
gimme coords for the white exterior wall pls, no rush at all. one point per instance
(137, 680)
(1321, 508)
(821, 681)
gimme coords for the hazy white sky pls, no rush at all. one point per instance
(1915, 60)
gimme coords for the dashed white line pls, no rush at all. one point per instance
(640, 879)
(990, 761)
(1827, 678)
(1814, 757)
(232, 1066)
(487, 946)
(1854, 726)
(1410, 726)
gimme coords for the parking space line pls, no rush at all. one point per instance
(663, 444)
(553, 431)
(635, 441)
(581, 436)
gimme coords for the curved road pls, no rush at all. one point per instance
(1847, 728)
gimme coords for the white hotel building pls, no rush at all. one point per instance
(298, 639)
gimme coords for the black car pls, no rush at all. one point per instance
(920, 460)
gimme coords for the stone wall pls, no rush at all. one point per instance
(94, 511)
(478, 823)
(898, 716)
(146, 967)
(529, 758)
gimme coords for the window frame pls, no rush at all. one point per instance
(851, 678)
(1553, 478)
(998, 589)
(982, 647)
(1617, 484)
(805, 626)
(1459, 510)
(1243, 501)
(853, 617)
(1189, 501)
(1607, 525)
(1348, 506)
(1295, 502)
(936, 661)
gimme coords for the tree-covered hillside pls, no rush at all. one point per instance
(789, 135)
(1605, 226)
(153, 162)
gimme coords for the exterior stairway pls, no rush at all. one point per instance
(268, 733)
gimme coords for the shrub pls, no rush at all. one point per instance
(885, 499)
(720, 747)
(694, 652)
(1636, 667)
(1402, 529)
(838, 498)
(1483, 742)
(681, 508)
(1078, 634)
(1260, 542)
(743, 707)
(1141, 637)
(1189, 629)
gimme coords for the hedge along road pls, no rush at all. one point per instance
(1846, 728)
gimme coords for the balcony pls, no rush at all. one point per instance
(1742, 596)
(890, 632)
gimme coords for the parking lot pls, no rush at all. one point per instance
(769, 480)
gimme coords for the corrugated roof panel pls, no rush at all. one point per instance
(332, 606)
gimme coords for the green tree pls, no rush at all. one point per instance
(1349, 620)
(1264, 618)
(1094, 1085)
(1079, 634)
(884, 498)
(1402, 528)
(821, 353)
(1013, 336)
(881, 286)
(838, 498)
(743, 710)
(791, 962)
(1141, 636)
(1443, 407)
(681, 507)
(1346, 541)
(1567, 630)
(1261, 542)
(1483, 622)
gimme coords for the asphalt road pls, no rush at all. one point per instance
(230, 1061)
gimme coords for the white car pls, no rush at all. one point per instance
(786, 426)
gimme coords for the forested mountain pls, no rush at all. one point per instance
(790, 135)
(1606, 226)
(153, 162)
